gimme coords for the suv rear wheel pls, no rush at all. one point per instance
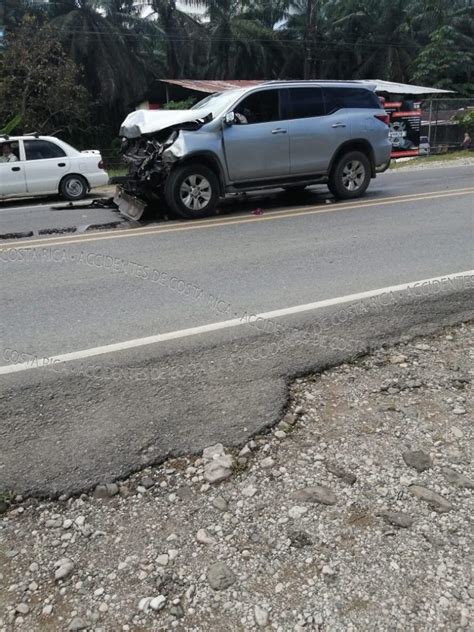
(350, 176)
(192, 191)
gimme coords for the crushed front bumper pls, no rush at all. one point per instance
(129, 206)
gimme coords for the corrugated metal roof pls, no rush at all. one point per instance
(208, 86)
(403, 88)
(211, 86)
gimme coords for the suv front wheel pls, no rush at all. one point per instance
(192, 191)
(350, 176)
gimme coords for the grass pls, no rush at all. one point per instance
(453, 155)
(115, 172)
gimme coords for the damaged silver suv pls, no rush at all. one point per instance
(277, 134)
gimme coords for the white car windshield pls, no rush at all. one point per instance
(218, 102)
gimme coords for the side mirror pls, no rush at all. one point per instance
(229, 119)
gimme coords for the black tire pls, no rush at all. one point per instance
(73, 187)
(203, 195)
(350, 176)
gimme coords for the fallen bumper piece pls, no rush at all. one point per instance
(129, 206)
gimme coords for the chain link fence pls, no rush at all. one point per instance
(444, 122)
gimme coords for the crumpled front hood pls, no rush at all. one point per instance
(151, 121)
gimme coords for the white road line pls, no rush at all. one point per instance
(226, 324)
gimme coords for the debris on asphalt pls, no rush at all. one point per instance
(354, 513)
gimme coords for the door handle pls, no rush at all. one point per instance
(15, 168)
(61, 164)
(279, 130)
(338, 125)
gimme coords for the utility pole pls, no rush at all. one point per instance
(308, 48)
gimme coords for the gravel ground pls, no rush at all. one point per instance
(416, 163)
(353, 514)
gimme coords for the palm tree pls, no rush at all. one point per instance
(243, 43)
(364, 52)
(183, 39)
(302, 39)
(99, 37)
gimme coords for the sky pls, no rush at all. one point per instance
(185, 7)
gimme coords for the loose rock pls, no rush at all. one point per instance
(220, 576)
(435, 500)
(64, 568)
(315, 494)
(77, 624)
(261, 616)
(220, 503)
(397, 518)
(157, 603)
(106, 491)
(458, 479)
(417, 459)
(204, 538)
(22, 608)
(219, 469)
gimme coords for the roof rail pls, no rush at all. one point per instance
(314, 81)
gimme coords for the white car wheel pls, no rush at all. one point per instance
(73, 187)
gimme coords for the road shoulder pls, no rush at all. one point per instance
(352, 513)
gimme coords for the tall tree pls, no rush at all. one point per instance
(40, 83)
(183, 39)
(100, 37)
(241, 44)
(447, 59)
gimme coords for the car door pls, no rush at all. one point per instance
(12, 174)
(257, 145)
(318, 126)
(46, 163)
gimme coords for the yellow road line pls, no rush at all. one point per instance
(276, 212)
(218, 222)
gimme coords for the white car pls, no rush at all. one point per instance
(43, 165)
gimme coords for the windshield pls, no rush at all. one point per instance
(218, 102)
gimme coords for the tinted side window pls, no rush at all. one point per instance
(337, 98)
(260, 107)
(41, 149)
(306, 102)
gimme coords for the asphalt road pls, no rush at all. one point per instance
(120, 348)
(33, 217)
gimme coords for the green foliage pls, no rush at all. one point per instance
(40, 83)
(11, 125)
(467, 121)
(118, 48)
(444, 63)
(186, 104)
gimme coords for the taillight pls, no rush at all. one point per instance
(101, 164)
(385, 118)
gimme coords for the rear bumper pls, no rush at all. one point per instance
(382, 153)
(98, 179)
